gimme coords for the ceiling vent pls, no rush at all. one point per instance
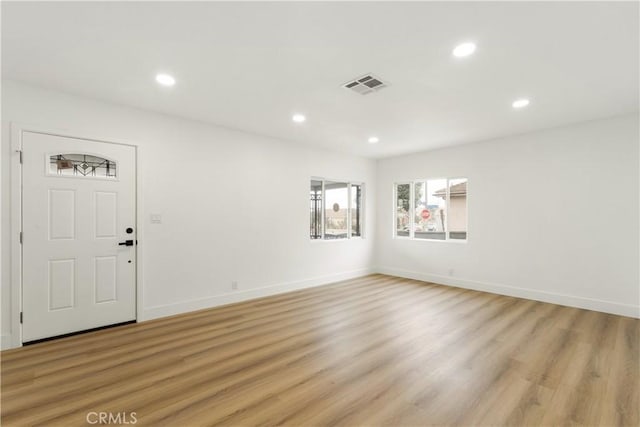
(366, 84)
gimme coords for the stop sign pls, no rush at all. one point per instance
(425, 214)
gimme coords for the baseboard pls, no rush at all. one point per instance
(554, 298)
(628, 310)
(209, 302)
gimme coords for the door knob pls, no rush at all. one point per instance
(126, 243)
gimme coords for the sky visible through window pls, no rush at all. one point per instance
(336, 195)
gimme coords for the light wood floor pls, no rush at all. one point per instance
(372, 351)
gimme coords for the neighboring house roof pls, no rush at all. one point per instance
(457, 190)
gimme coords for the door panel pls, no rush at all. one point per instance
(78, 199)
(62, 283)
(105, 277)
(106, 213)
(62, 208)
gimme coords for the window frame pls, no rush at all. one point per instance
(349, 208)
(412, 186)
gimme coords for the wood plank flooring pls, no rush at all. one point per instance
(377, 350)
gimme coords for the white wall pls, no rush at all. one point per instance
(234, 205)
(553, 216)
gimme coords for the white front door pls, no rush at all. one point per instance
(78, 212)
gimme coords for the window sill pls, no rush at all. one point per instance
(335, 240)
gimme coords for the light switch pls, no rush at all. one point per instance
(156, 219)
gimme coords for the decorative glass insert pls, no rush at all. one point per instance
(81, 165)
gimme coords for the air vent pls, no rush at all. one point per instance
(365, 84)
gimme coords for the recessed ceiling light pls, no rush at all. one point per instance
(520, 103)
(298, 118)
(374, 140)
(464, 49)
(165, 80)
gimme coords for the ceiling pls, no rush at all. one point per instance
(250, 66)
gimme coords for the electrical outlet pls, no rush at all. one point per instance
(234, 285)
(451, 272)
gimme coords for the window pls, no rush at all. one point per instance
(438, 209)
(336, 209)
(81, 165)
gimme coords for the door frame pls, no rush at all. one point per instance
(17, 131)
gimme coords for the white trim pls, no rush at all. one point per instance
(139, 237)
(513, 291)
(16, 228)
(17, 130)
(319, 241)
(218, 300)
